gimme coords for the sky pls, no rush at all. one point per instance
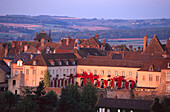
(107, 9)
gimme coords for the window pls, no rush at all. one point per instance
(34, 72)
(116, 73)
(123, 73)
(109, 72)
(16, 72)
(42, 73)
(34, 63)
(67, 71)
(74, 71)
(71, 71)
(130, 74)
(81, 72)
(102, 83)
(88, 72)
(95, 82)
(60, 63)
(102, 72)
(168, 88)
(157, 78)
(143, 77)
(63, 71)
(27, 71)
(151, 68)
(57, 71)
(150, 77)
(95, 72)
(66, 62)
(53, 63)
(168, 65)
(73, 62)
(18, 63)
(14, 82)
(168, 77)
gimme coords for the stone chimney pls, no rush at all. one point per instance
(105, 41)
(139, 48)
(130, 47)
(6, 50)
(97, 36)
(20, 43)
(36, 34)
(68, 40)
(25, 48)
(42, 42)
(145, 42)
(31, 56)
(50, 33)
(134, 49)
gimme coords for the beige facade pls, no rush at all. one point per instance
(148, 79)
(33, 75)
(107, 72)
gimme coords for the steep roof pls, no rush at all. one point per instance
(167, 47)
(70, 46)
(39, 61)
(154, 47)
(156, 65)
(110, 62)
(124, 103)
(25, 57)
(41, 35)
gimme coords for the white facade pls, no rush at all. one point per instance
(62, 75)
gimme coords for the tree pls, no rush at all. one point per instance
(8, 101)
(47, 78)
(89, 97)
(69, 99)
(165, 104)
(156, 107)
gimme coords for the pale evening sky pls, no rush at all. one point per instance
(108, 9)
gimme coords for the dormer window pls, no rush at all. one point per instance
(74, 62)
(66, 62)
(60, 63)
(168, 65)
(151, 68)
(34, 62)
(19, 63)
(53, 63)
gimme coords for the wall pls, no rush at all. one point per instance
(31, 79)
(2, 76)
(143, 79)
(121, 94)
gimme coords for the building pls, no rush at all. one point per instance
(123, 105)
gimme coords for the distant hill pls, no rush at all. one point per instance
(23, 27)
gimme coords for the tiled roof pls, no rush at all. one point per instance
(25, 57)
(154, 47)
(56, 90)
(4, 66)
(2, 51)
(83, 52)
(124, 103)
(56, 57)
(41, 35)
(167, 48)
(156, 65)
(110, 62)
(39, 61)
(70, 46)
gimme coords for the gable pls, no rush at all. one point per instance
(154, 47)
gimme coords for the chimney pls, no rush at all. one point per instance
(145, 42)
(130, 47)
(6, 50)
(36, 34)
(25, 48)
(134, 49)
(50, 33)
(31, 56)
(123, 55)
(68, 40)
(87, 40)
(13, 44)
(42, 42)
(20, 43)
(105, 41)
(139, 48)
(97, 36)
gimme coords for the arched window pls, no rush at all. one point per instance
(95, 82)
(108, 83)
(81, 82)
(123, 84)
(102, 83)
(115, 84)
(130, 84)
